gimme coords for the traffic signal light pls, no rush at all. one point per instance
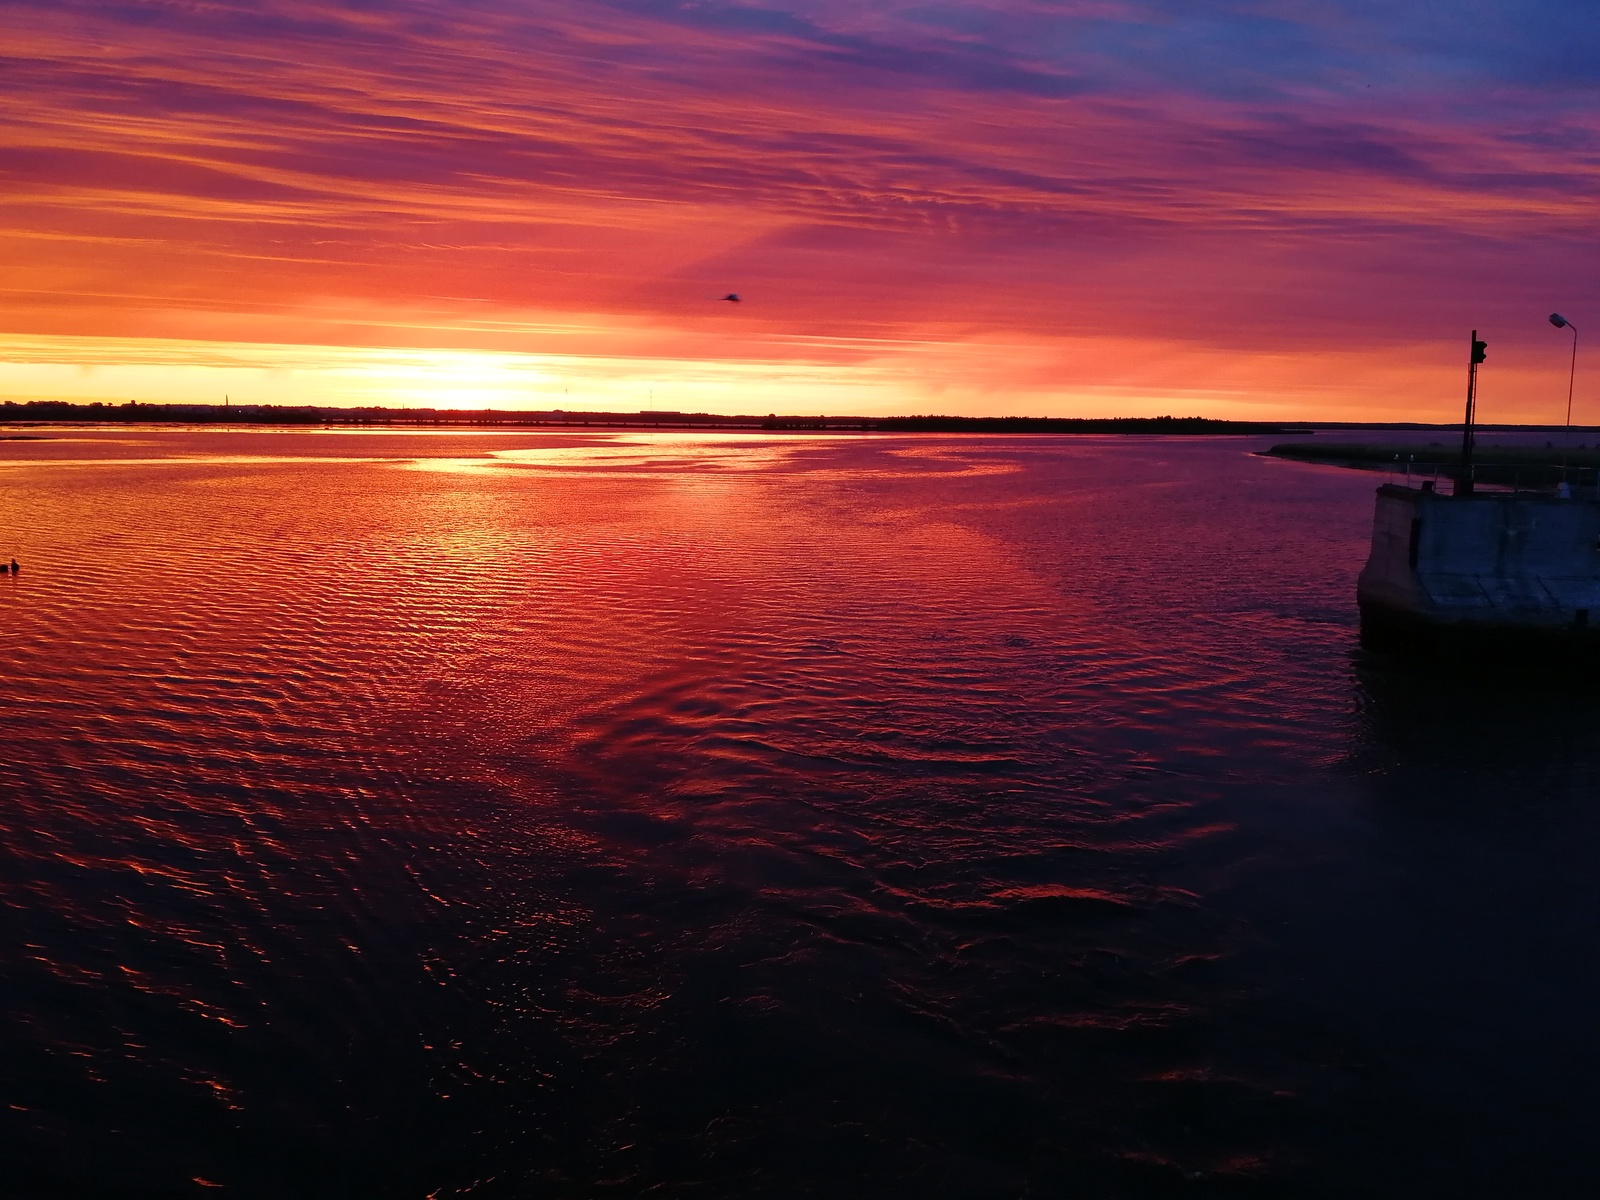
(1478, 350)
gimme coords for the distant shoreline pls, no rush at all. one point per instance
(58, 413)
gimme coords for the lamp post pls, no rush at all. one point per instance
(1561, 322)
(1468, 438)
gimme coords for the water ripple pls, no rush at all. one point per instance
(669, 814)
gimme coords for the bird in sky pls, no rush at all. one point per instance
(733, 296)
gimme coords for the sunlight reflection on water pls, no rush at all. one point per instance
(760, 815)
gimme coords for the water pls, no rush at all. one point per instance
(557, 815)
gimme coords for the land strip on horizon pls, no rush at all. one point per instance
(60, 412)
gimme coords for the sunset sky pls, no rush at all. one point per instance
(1281, 208)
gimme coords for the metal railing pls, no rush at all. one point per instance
(1500, 477)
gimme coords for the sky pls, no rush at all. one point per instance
(1279, 210)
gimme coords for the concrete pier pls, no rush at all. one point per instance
(1487, 571)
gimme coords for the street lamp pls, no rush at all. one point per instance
(1561, 322)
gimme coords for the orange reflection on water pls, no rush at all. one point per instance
(344, 785)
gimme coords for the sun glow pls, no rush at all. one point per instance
(791, 376)
(150, 370)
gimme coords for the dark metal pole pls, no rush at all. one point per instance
(1572, 375)
(1464, 479)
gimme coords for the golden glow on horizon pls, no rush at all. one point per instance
(1018, 377)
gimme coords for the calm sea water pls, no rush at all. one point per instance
(390, 815)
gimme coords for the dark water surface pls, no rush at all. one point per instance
(390, 815)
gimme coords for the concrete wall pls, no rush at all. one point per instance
(1490, 558)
